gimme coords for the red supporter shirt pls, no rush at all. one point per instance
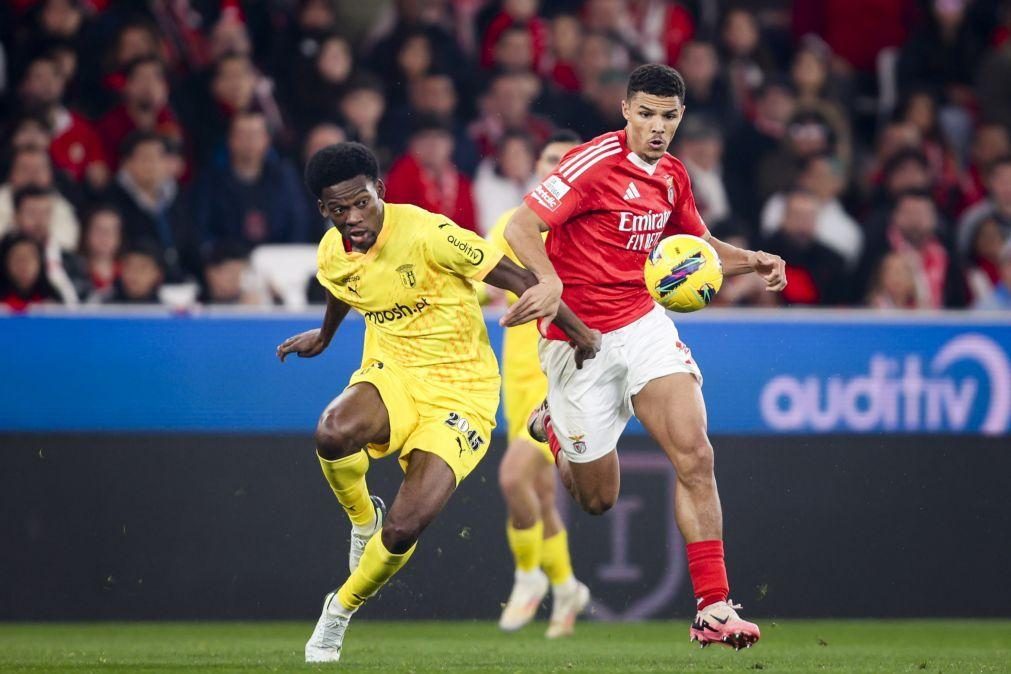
(606, 208)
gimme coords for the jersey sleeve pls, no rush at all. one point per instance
(685, 218)
(496, 236)
(560, 196)
(460, 251)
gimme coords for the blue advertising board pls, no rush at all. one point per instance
(765, 372)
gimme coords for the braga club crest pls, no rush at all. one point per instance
(407, 275)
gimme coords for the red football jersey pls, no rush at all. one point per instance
(606, 208)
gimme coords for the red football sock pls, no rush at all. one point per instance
(553, 443)
(708, 572)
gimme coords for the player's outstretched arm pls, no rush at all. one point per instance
(523, 234)
(510, 276)
(738, 261)
(314, 342)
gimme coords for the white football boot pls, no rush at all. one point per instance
(360, 536)
(568, 600)
(529, 588)
(328, 638)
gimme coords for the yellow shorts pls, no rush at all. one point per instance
(524, 385)
(454, 425)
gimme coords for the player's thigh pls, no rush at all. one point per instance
(356, 418)
(396, 413)
(588, 412)
(521, 466)
(545, 484)
(672, 410)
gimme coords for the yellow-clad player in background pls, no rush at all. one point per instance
(535, 531)
(428, 386)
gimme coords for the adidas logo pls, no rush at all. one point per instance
(632, 192)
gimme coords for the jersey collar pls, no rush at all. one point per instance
(635, 159)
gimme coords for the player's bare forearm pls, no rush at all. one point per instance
(314, 342)
(737, 261)
(523, 234)
(508, 275)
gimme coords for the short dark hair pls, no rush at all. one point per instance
(1003, 160)
(30, 192)
(564, 136)
(656, 79)
(131, 66)
(337, 163)
(913, 193)
(138, 138)
(148, 248)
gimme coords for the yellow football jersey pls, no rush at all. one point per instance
(414, 288)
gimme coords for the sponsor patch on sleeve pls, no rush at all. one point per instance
(550, 192)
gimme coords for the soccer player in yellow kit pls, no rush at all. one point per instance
(428, 386)
(534, 530)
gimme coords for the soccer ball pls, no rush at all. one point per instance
(683, 273)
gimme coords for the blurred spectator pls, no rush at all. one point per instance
(993, 85)
(747, 60)
(602, 112)
(142, 274)
(425, 176)
(98, 264)
(258, 197)
(913, 232)
(229, 278)
(943, 53)
(530, 37)
(984, 258)
(441, 49)
(920, 109)
(29, 131)
(319, 137)
(147, 197)
(815, 273)
(433, 94)
(1000, 298)
(706, 92)
(990, 142)
(822, 178)
(743, 289)
(566, 37)
(598, 54)
(33, 209)
(807, 135)
(75, 146)
(700, 147)
(893, 285)
(996, 207)
(502, 181)
(819, 91)
(362, 108)
(654, 28)
(755, 140)
(855, 30)
(136, 39)
(144, 106)
(505, 106)
(23, 280)
(315, 92)
(32, 167)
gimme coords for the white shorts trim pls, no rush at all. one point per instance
(590, 407)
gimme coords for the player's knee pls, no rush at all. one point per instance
(695, 464)
(510, 480)
(400, 534)
(598, 504)
(339, 434)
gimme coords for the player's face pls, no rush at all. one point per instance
(652, 122)
(355, 208)
(550, 157)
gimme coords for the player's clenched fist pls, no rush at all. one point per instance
(538, 301)
(772, 269)
(305, 345)
(587, 345)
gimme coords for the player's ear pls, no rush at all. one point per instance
(380, 188)
(625, 110)
(322, 208)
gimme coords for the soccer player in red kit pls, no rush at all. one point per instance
(605, 206)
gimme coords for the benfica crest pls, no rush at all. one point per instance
(670, 188)
(407, 275)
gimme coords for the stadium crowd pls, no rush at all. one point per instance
(158, 145)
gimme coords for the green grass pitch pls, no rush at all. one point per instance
(957, 646)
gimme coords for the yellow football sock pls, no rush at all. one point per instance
(526, 545)
(377, 566)
(555, 558)
(347, 479)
